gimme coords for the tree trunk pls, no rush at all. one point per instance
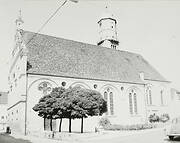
(82, 125)
(44, 123)
(69, 125)
(51, 124)
(60, 123)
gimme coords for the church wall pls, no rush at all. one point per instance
(120, 101)
(160, 103)
(3, 117)
(16, 117)
(17, 93)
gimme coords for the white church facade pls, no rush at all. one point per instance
(132, 88)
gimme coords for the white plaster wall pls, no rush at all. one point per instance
(175, 105)
(16, 97)
(34, 122)
(107, 29)
(156, 106)
(121, 102)
(16, 118)
(19, 89)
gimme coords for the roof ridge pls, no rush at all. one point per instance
(82, 42)
(74, 58)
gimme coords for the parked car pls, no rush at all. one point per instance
(173, 130)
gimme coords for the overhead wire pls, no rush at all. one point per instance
(46, 22)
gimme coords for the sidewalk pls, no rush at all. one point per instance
(78, 137)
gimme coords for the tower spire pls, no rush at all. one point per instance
(19, 21)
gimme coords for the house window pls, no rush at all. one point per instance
(14, 75)
(108, 97)
(133, 103)
(2, 117)
(149, 96)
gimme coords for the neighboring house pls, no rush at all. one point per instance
(3, 110)
(132, 88)
(175, 103)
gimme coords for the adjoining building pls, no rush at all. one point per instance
(175, 103)
(132, 88)
(3, 110)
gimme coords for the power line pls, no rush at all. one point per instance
(47, 21)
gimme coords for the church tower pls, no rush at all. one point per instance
(108, 31)
(19, 22)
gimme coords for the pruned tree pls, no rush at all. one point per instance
(81, 103)
(72, 103)
(46, 106)
(57, 93)
(41, 108)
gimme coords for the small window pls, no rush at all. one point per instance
(14, 75)
(2, 117)
(100, 24)
(63, 83)
(16, 111)
(15, 82)
(12, 113)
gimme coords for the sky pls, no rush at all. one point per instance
(150, 28)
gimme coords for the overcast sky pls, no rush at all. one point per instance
(148, 27)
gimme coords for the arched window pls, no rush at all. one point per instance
(108, 97)
(111, 103)
(149, 95)
(162, 98)
(133, 102)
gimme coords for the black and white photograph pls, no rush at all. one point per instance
(90, 71)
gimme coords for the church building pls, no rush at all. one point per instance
(132, 87)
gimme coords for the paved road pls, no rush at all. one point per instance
(155, 136)
(4, 138)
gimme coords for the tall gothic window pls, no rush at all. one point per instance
(149, 95)
(133, 102)
(162, 100)
(108, 97)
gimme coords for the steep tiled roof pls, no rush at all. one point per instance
(62, 57)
